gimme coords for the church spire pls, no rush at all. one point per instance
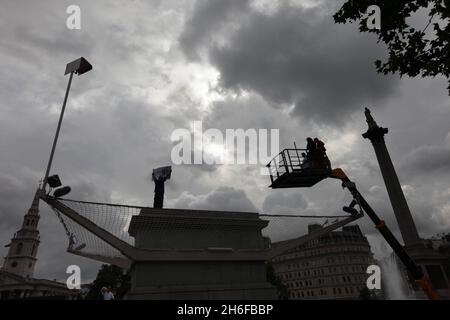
(34, 209)
(21, 258)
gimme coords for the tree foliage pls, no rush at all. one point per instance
(411, 51)
(282, 290)
(109, 276)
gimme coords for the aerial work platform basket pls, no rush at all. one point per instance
(291, 168)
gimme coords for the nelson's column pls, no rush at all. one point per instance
(429, 260)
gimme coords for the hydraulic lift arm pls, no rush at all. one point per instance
(421, 280)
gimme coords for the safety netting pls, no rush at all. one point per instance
(116, 219)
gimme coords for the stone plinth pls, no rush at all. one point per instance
(431, 262)
(206, 255)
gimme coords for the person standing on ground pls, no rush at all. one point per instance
(107, 293)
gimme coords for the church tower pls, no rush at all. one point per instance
(21, 258)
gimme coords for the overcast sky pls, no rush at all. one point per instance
(160, 65)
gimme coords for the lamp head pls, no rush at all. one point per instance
(61, 192)
(162, 173)
(78, 66)
(54, 181)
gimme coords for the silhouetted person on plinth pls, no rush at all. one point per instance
(158, 200)
(159, 177)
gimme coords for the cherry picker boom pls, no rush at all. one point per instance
(290, 170)
(420, 279)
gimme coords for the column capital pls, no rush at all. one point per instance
(374, 132)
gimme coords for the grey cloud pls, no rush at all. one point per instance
(300, 57)
(223, 198)
(427, 159)
(284, 202)
(11, 195)
(206, 20)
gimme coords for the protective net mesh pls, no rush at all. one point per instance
(116, 219)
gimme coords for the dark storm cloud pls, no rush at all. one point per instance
(427, 159)
(296, 56)
(206, 21)
(11, 195)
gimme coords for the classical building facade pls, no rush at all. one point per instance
(14, 287)
(330, 267)
(16, 275)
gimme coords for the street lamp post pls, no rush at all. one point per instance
(79, 67)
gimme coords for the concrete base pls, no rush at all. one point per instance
(200, 280)
(251, 291)
(254, 292)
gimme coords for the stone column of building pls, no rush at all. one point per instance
(21, 258)
(398, 201)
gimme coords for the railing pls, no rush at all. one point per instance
(287, 161)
